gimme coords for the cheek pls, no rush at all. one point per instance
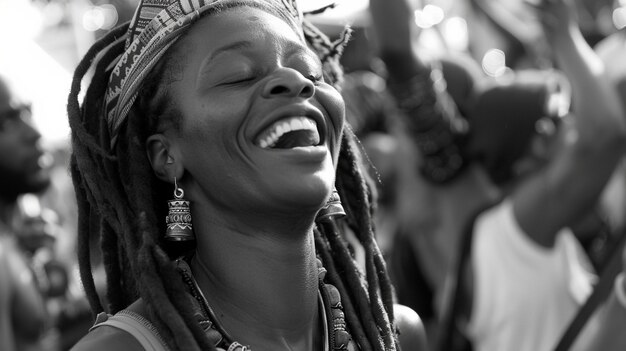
(339, 120)
(335, 106)
(204, 143)
(210, 139)
(212, 118)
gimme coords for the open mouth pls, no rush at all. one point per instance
(290, 133)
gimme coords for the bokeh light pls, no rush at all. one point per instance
(455, 32)
(619, 17)
(429, 16)
(103, 17)
(494, 62)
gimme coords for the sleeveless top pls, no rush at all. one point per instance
(136, 325)
(148, 336)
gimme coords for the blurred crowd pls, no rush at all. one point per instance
(495, 136)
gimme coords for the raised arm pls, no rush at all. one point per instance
(431, 118)
(589, 148)
(392, 20)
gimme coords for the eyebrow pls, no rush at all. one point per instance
(238, 45)
(205, 66)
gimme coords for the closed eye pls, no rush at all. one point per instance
(240, 80)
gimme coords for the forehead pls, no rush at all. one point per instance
(240, 23)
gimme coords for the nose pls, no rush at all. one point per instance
(288, 82)
(29, 133)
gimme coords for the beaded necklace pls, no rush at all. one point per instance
(336, 335)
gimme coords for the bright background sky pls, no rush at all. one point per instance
(32, 71)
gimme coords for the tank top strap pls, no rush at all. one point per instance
(136, 325)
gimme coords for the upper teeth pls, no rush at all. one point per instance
(270, 136)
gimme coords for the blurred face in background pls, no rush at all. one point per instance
(22, 168)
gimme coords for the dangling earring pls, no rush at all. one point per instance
(332, 208)
(178, 219)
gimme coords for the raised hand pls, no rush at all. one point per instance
(556, 17)
(393, 22)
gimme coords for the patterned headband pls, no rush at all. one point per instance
(156, 25)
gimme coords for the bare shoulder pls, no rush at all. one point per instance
(107, 338)
(412, 335)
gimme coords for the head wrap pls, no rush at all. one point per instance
(156, 25)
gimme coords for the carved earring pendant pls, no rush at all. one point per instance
(332, 208)
(178, 219)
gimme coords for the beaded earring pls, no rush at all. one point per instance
(332, 208)
(178, 219)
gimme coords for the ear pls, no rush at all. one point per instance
(163, 158)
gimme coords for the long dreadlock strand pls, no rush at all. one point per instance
(85, 195)
(83, 160)
(183, 306)
(376, 303)
(84, 244)
(74, 110)
(89, 158)
(367, 222)
(85, 157)
(170, 320)
(110, 257)
(129, 282)
(387, 292)
(333, 277)
(345, 263)
(123, 271)
(352, 181)
(181, 301)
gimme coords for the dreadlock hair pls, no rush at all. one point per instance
(121, 202)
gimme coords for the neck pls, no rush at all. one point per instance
(261, 283)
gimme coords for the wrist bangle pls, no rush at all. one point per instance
(619, 289)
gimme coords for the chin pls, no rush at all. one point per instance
(311, 198)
